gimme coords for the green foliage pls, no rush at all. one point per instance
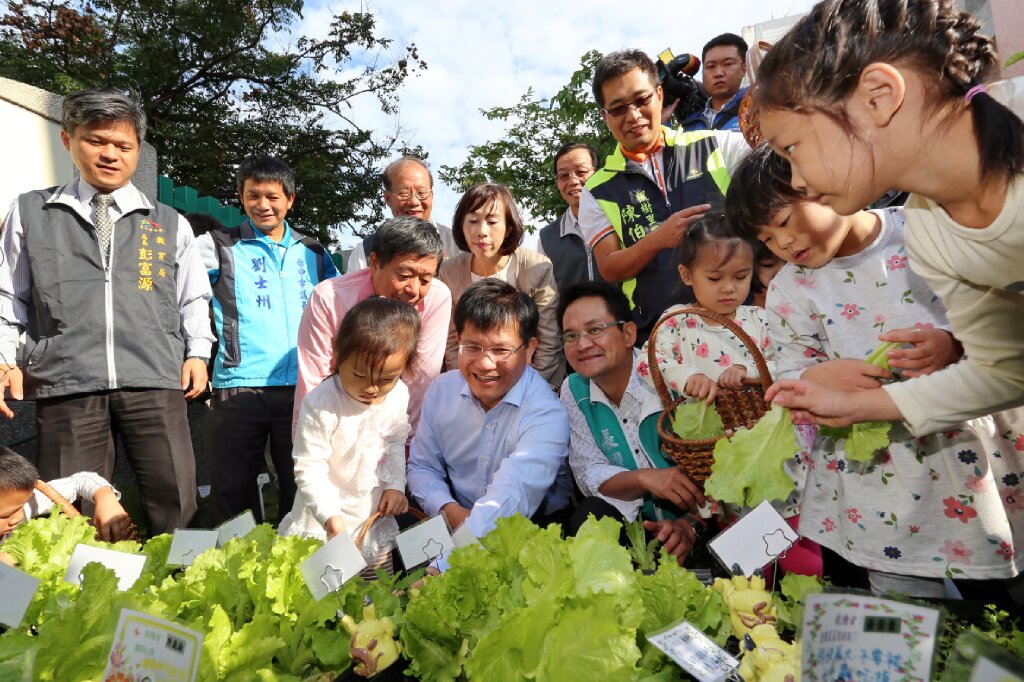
(643, 552)
(697, 421)
(258, 618)
(748, 467)
(863, 440)
(526, 604)
(523, 157)
(218, 83)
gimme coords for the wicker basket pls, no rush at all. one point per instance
(384, 561)
(738, 407)
(71, 512)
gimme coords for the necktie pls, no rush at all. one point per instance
(104, 226)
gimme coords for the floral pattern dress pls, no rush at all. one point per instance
(946, 504)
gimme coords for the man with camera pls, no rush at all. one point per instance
(725, 65)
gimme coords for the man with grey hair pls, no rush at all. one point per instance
(405, 256)
(408, 191)
(113, 300)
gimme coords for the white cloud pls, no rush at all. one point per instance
(481, 55)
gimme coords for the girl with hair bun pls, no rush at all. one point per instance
(862, 97)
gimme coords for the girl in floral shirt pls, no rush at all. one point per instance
(942, 505)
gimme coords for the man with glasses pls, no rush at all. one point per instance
(408, 191)
(635, 209)
(725, 65)
(493, 438)
(562, 241)
(404, 259)
(615, 451)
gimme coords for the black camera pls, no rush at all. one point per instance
(676, 77)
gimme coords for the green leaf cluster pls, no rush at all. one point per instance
(748, 467)
(258, 618)
(526, 604)
(861, 441)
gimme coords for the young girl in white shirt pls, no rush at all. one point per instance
(350, 440)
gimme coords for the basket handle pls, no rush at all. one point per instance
(364, 527)
(659, 381)
(58, 499)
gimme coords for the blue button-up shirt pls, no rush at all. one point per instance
(510, 459)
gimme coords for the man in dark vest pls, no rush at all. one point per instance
(614, 447)
(562, 241)
(408, 191)
(113, 300)
(634, 210)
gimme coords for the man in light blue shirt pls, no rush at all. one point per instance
(493, 439)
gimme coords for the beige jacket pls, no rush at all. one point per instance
(531, 273)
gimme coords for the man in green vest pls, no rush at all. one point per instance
(635, 209)
(614, 448)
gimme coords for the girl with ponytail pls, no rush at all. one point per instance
(866, 96)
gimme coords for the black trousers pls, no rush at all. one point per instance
(240, 423)
(76, 433)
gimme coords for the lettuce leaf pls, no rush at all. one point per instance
(697, 421)
(748, 467)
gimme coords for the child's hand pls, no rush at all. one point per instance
(393, 503)
(732, 377)
(932, 350)
(110, 517)
(846, 375)
(702, 388)
(335, 526)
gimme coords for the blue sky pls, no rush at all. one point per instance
(486, 54)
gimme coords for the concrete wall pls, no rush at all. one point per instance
(1008, 17)
(34, 156)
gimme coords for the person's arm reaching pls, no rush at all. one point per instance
(15, 294)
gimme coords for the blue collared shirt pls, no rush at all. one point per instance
(510, 459)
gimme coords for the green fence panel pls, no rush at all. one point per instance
(187, 200)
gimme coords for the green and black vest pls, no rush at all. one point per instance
(607, 431)
(695, 173)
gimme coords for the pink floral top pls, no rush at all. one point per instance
(688, 344)
(945, 504)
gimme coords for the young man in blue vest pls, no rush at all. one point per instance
(725, 65)
(110, 293)
(263, 273)
(614, 448)
(634, 210)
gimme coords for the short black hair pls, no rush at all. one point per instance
(480, 195)
(570, 146)
(726, 39)
(491, 303)
(16, 473)
(406, 234)
(385, 177)
(202, 223)
(377, 328)
(618, 63)
(265, 169)
(107, 105)
(759, 188)
(614, 300)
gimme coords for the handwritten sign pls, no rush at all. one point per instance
(694, 652)
(150, 648)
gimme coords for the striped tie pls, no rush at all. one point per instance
(104, 226)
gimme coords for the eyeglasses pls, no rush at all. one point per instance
(472, 351)
(406, 194)
(621, 110)
(580, 174)
(591, 332)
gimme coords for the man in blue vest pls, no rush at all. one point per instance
(725, 65)
(634, 210)
(614, 448)
(263, 273)
(110, 293)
